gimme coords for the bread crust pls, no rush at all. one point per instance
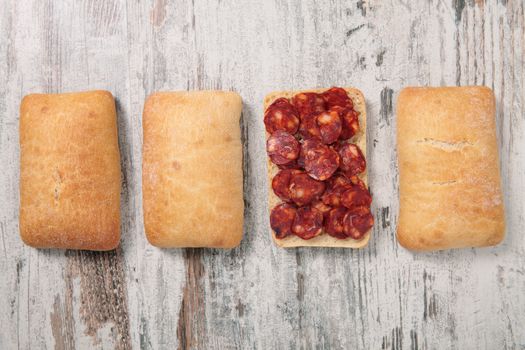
(450, 192)
(69, 171)
(323, 240)
(192, 178)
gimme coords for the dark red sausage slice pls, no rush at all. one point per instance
(292, 165)
(308, 102)
(356, 197)
(352, 160)
(282, 147)
(360, 210)
(337, 96)
(332, 196)
(283, 102)
(350, 121)
(323, 208)
(335, 188)
(303, 189)
(320, 161)
(308, 223)
(339, 180)
(281, 115)
(309, 146)
(282, 218)
(330, 126)
(309, 128)
(334, 222)
(357, 223)
(358, 182)
(281, 183)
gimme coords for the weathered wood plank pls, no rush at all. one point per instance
(257, 295)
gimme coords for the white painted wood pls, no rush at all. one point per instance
(260, 296)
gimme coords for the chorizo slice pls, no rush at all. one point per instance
(281, 183)
(332, 196)
(334, 222)
(356, 197)
(282, 218)
(339, 179)
(292, 165)
(352, 159)
(282, 147)
(357, 223)
(355, 180)
(363, 210)
(337, 96)
(308, 102)
(335, 188)
(308, 223)
(281, 115)
(303, 189)
(320, 161)
(350, 121)
(330, 126)
(283, 102)
(323, 208)
(309, 128)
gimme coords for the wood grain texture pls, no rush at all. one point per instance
(258, 296)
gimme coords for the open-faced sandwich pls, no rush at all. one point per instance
(316, 146)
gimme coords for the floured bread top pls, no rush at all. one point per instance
(450, 193)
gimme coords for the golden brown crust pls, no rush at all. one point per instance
(69, 171)
(450, 194)
(323, 240)
(192, 169)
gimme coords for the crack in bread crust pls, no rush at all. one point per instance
(445, 145)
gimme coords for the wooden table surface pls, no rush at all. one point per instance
(258, 296)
